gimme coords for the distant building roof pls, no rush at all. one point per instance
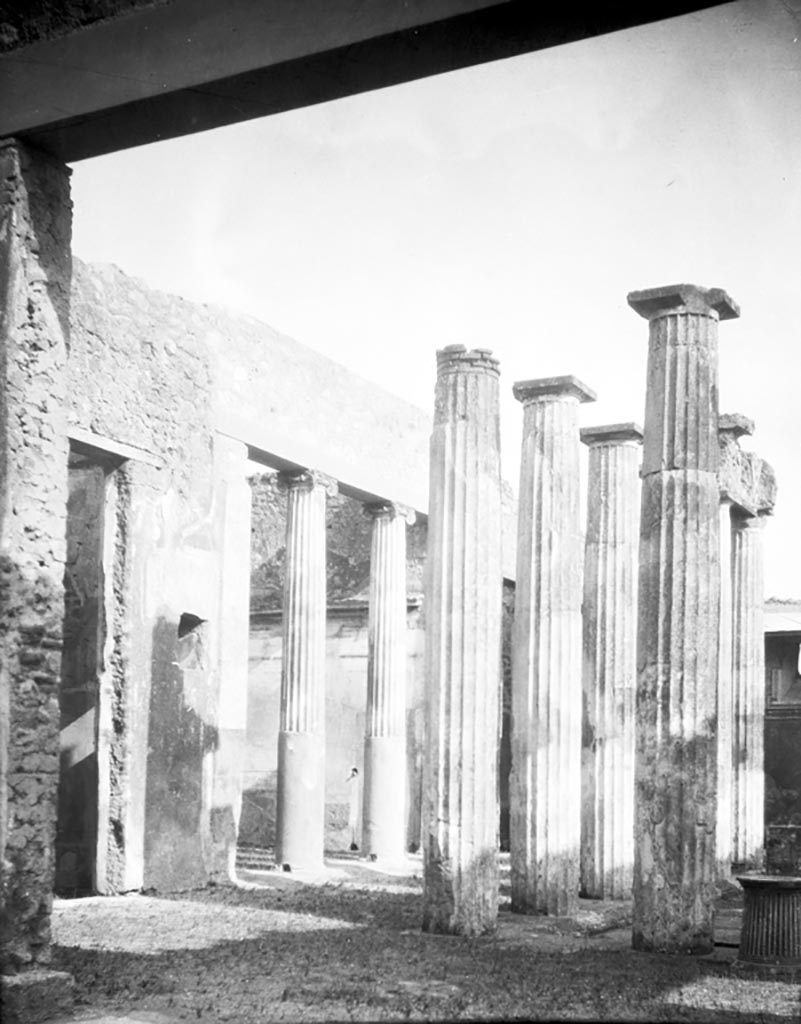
(782, 616)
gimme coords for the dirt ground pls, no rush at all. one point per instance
(346, 945)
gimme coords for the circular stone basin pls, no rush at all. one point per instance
(771, 932)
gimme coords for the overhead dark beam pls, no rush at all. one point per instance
(500, 31)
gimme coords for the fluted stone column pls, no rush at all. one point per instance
(384, 795)
(678, 622)
(749, 693)
(735, 496)
(545, 783)
(610, 662)
(301, 738)
(725, 730)
(463, 597)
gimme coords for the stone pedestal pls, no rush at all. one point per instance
(300, 812)
(35, 275)
(384, 798)
(463, 596)
(678, 622)
(610, 664)
(771, 932)
(545, 783)
(748, 782)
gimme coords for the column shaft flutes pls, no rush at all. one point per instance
(384, 801)
(749, 693)
(610, 664)
(678, 622)
(463, 595)
(301, 739)
(545, 783)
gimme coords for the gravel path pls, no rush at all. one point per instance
(346, 945)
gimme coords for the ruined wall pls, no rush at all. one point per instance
(139, 375)
(35, 229)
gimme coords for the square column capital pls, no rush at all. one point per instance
(611, 433)
(552, 387)
(735, 424)
(683, 298)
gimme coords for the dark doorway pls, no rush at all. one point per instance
(81, 670)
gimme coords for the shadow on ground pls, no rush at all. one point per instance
(349, 947)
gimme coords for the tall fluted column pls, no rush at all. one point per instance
(610, 662)
(463, 598)
(734, 497)
(384, 801)
(725, 730)
(678, 622)
(749, 693)
(545, 783)
(301, 739)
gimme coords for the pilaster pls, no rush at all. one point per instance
(610, 667)
(463, 596)
(301, 739)
(545, 784)
(678, 622)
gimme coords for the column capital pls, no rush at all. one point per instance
(652, 303)
(550, 388)
(734, 424)
(457, 357)
(611, 433)
(307, 480)
(389, 510)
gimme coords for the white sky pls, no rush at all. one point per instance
(511, 206)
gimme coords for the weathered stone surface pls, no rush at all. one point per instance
(36, 995)
(383, 815)
(35, 268)
(748, 671)
(463, 592)
(610, 665)
(301, 741)
(678, 622)
(545, 785)
(725, 730)
(745, 479)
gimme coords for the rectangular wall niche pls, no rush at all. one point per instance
(91, 517)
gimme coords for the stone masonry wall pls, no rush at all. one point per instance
(35, 230)
(139, 375)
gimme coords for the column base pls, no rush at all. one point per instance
(300, 824)
(384, 807)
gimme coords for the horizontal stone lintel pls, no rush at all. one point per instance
(105, 446)
(611, 432)
(553, 387)
(683, 298)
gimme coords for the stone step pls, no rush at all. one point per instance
(255, 858)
